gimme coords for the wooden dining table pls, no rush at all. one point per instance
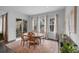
(37, 35)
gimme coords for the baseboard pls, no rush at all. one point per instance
(11, 41)
(52, 39)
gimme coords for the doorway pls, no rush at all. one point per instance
(4, 28)
(21, 26)
(1, 34)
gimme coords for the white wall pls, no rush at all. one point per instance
(2, 12)
(73, 36)
(78, 20)
(0, 24)
(77, 40)
(67, 18)
(12, 23)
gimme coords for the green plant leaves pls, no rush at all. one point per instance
(68, 48)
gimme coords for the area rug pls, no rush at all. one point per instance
(46, 46)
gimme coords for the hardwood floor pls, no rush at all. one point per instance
(46, 46)
(4, 49)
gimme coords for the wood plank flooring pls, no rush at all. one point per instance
(46, 46)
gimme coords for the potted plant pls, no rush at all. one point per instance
(68, 48)
(67, 45)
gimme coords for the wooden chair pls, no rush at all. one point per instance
(32, 40)
(24, 39)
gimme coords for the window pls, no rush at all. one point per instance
(52, 22)
(39, 24)
(34, 23)
(42, 24)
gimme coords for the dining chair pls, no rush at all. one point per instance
(24, 39)
(32, 40)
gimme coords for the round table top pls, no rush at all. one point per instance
(36, 34)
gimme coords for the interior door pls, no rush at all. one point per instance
(5, 27)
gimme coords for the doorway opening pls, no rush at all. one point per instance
(4, 28)
(21, 26)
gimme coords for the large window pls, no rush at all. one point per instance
(42, 24)
(52, 21)
(34, 24)
(39, 24)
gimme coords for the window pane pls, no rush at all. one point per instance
(42, 22)
(35, 25)
(52, 28)
(52, 21)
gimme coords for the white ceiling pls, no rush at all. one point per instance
(31, 10)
